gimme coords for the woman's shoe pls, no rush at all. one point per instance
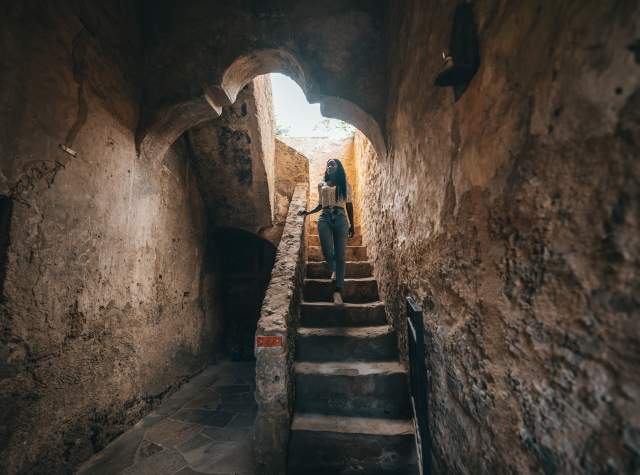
(337, 298)
(333, 278)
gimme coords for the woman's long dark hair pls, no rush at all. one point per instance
(340, 180)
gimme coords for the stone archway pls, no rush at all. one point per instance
(171, 122)
(202, 53)
(260, 62)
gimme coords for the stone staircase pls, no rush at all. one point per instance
(352, 410)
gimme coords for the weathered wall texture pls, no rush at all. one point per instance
(274, 359)
(292, 168)
(513, 215)
(235, 158)
(108, 299)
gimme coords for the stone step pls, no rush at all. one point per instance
(325, 314)
(374, 343)
(314, 240)
(314, 227)
(349, 445)
(352, 253)
(357, 389)
(355, 290)
(355, 270)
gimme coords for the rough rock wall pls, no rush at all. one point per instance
(513, 216)
(108, 300)
(292, 168)
(235, 156)
(263, 121)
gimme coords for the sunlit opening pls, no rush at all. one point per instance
(295, 117)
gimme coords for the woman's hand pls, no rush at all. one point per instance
(302, 212)
(351, 231)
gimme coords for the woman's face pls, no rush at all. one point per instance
(332, 167)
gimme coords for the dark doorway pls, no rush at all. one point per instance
(246, 262)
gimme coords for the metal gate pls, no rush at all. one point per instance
(418, 382)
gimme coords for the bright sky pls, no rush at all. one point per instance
(297, 117)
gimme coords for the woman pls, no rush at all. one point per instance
(334, 195)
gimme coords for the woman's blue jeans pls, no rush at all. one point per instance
(333, 229)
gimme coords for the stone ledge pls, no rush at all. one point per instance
(275, 340)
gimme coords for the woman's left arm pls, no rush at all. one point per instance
(350, 214)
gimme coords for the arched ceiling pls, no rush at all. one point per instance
(199, 54)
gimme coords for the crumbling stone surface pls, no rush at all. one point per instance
(292, 168)
(513, 216)
(274, 364)
(235, 159)
(109, 299)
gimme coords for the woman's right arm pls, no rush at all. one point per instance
(314, 210)
(318, 206)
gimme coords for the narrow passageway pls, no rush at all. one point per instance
(352, 412)
(165, 308)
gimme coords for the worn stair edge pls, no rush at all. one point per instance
(327, 314)
(351, 425)
(314, 222)
(350, 368)
(314, 240)
(352, 253)
(354, 332)
(358, 290)
(372, 343)
(354, 270)
(353, 389)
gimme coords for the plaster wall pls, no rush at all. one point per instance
(235, 158)
(109, 299)
(292, 168)
(513, 216)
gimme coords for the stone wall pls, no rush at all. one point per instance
(108, 299)
(292, 168)
(275, 343)
(235, 158)
(512, 215)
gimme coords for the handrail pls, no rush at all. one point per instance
(275, 343)
(418, 383)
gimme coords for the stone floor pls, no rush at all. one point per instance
(205, 427)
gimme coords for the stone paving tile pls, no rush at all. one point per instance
(166, 462)
(226, 434)
(240, 407)
(233, 389)
(237, 398)
(188, 471)
(121, 452)
(242, 421)
(222, 457)
(147, 449)
(209, 400)
(205, 418)
(170, 433)
(203, 428)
